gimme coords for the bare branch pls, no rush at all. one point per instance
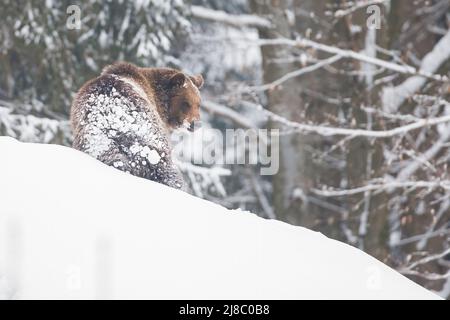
(428, 276)
(296, 73)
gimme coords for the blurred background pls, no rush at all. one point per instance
(358, 89)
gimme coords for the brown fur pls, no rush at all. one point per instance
(172, 91)
(158, 99)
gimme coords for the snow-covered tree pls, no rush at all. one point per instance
(48, 49)
(362, 106)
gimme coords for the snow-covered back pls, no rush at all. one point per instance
(72, 227)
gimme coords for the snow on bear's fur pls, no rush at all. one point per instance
(124, 117)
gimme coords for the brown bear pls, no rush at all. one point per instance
(124, 117)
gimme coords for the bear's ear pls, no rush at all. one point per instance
(177, 80)
(197, 80)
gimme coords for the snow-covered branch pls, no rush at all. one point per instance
(344, 53)
(384, 186)
(335, 131)
(430, 276)
(223, 111)
(393, 97)
(262, 198)
(425, 157)
(241, 20)
(356, 6)
(429, 154)
(296, 73)
(422, 237)
(429, 258)
(443, 209)
(216, 108)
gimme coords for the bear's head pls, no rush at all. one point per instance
(178, 94)
(184, 101)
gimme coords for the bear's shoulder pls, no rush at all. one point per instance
(94, 92)
(123, 69)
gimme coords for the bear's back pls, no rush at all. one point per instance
(114, 121)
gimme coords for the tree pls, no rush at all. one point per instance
(42, 48)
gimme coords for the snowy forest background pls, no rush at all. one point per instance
(363, 111)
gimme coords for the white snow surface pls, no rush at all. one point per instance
(72, 227)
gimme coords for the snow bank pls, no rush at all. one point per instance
(71, 227)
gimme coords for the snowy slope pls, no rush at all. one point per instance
(71, 227)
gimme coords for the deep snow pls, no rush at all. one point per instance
(72, 227)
